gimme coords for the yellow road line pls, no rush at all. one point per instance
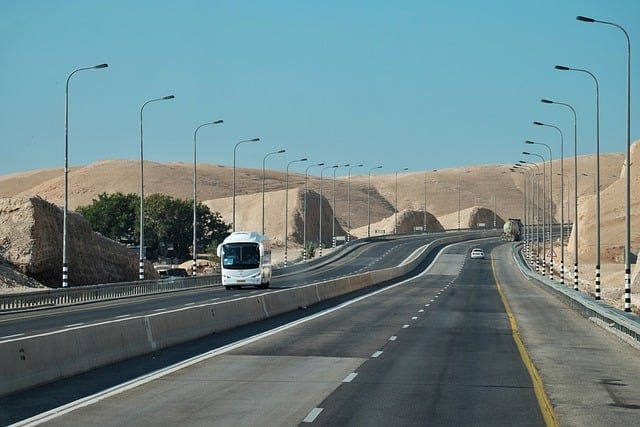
(538, 387)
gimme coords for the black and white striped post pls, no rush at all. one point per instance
(65, 265)
(544, 215)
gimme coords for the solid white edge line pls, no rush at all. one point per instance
(350, 377)
(311, 417)
(12, 336)
(376, 354)
(136, 382)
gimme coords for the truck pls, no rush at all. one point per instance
(512, 230)
(245, 260)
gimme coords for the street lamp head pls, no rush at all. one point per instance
(538, 123)
(529, 142)
(526, 152)
(405, 169)
(281, 151)
(561, 67)
(217, 122)
(522, 161)
(101, 66)
(546, 101)
(304, 159)
(168, 97)
(254, 140)
(320, 164)
(585, 19)
(359, 166)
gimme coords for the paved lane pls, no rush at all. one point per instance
(381, 253)
(437, 349)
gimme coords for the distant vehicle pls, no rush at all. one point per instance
(245, 258)
(173, 272)
(512, 230)
(477, 253)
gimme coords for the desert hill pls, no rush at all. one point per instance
(476, 190)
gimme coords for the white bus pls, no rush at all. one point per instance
(245, 258)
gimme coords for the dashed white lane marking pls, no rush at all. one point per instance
(393, 338)
(11, 336)
(421, 311)
(74, 325)
(122, 316)
(414, 318)
(159, 309)
(436, 296)
(427, 305)
(433, 300)
(350, 377)
(376, 354)
(405, 326)
(311, 417)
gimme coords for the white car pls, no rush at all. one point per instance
(477, 253)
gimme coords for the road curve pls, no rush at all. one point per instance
(434, 349)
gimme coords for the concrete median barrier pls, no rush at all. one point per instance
(34, 360)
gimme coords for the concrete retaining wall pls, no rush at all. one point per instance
(38, 359)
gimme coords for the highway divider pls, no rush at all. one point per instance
(626, 325)
(33, 360)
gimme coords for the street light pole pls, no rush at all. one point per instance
(395, 229)
(286, 209)
(304, 221)
(536, 208)
(349, 201)
(65, 266)
(195, 136)
(142, 252)
(369, 201)
(264, 159)
(552, 256)
(459, 207)
(575, 188)
(333, 222)
(234, 178)
(627, 244)
(597, 185)
(320, 214)
(544, 214)
(561, 196)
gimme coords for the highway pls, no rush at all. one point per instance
(437, 348)
(378, 254)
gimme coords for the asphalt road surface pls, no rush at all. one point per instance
(436, 349)
(381, 253)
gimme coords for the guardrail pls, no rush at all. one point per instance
(104, 292)
(26, 360)
(625, 323)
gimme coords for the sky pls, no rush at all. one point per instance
(418, 84)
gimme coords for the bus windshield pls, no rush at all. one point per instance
(240, 256)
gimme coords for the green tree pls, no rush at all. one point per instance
(168, 223)
(113, 215)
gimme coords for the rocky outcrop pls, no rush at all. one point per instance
(31, 241)
(472, 217)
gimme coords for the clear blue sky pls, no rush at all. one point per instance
(418, 84)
